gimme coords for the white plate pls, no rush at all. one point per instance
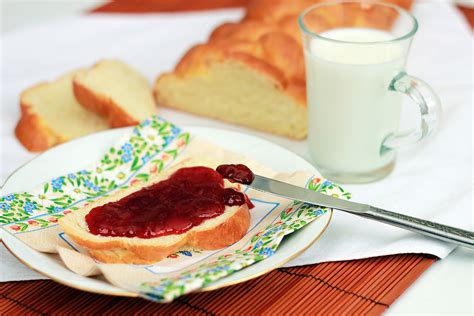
(84, 151)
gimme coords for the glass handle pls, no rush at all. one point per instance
(430, 110)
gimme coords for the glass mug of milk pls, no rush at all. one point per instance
(355, 59)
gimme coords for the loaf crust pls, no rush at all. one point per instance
(102, 105)
(98, 99)
(32, 132)
(122, 250)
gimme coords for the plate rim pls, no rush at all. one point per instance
(65, 282)
(134, 294)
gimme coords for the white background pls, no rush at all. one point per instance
(447, 287)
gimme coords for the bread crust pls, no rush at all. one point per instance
(102, 105)
(32, 132)
(223, 235)
(124, 250)
(199, 57)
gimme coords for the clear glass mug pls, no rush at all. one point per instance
(355, 60)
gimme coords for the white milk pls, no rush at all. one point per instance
(351, 110)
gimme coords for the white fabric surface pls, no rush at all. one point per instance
(431, 180)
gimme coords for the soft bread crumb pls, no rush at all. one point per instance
(51, 115)
(232, 92)
(116, 91)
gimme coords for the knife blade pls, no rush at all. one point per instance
(435, 230)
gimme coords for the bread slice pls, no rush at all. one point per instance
(51, 115)
(116, 91)
(248, 74)
(214, 233)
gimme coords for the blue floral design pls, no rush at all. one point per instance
(258, 245)
(267, 252)
(167, 140)
(4, 206)
(57, 183)
(175, 130)
(83, 172)
(326, 183)
(126, 157)
(136, 131)
(146, 158)
(145, 123)
(29, 207)
(219, 269)
(96, 188)
(127, 147)
(10, 197)
(57, 208)
(88, 184)
(318, 212)
(71, 176)
(271, 231)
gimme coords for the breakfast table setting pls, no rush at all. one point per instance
(333, 204)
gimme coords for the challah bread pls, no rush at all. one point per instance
(213, 233)
(116, 91)
(51, 115)
(252, 73)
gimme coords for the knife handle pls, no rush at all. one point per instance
(439, 231)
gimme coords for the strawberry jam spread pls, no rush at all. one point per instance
(236, 173)
(173, 206)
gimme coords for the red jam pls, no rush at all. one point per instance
(173, 206)
(236, 173)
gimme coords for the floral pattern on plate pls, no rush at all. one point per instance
(151, 146)
(263, 244)
(148, 149)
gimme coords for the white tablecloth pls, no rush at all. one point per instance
(431, 180)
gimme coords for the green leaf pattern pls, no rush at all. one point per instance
(151, 146)
(148, 149)
(261, 245)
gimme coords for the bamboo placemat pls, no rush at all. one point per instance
(366, 287)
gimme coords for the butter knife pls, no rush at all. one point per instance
(435, 230)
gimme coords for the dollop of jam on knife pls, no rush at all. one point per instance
(173, 206)
(236, 173)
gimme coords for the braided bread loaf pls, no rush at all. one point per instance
(251, 73)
